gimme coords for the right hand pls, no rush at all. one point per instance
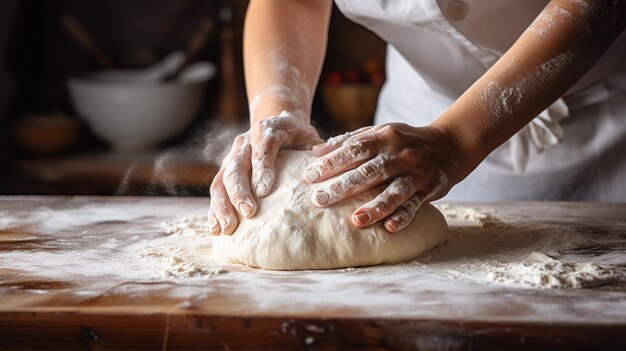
(249, 167)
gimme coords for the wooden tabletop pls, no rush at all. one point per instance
(65, 284)
(106, 173)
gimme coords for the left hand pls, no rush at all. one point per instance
(416, 164)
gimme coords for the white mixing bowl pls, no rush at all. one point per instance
(135, 114)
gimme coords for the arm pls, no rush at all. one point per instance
(422, 164)
(559, 47)
(284, 47)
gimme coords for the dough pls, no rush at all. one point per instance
(290, 233)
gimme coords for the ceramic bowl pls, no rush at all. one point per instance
(134, 114)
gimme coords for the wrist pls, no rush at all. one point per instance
(464, 156)
(263, 109)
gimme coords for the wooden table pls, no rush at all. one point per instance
(105, 173)
(43, 306)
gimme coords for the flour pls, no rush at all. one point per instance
(331, 192)
(479, 217)
(290, 84)
(81, 249)
(171, 263)
(176, 255)
(497, 252)
(483, 248)
(542, 271)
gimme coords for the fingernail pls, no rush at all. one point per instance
(320, 198)
(260, 189)
(319, 146)
(392, 225)
(245, 209)
(312, 175)
(362, 218)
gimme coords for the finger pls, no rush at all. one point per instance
(237, 177)
(309, 138)
(348, 156)
(221, 208)
(264, 154)
(335, 142)
(353, 182)
(404, 214)
(214, 225)
(397, 193)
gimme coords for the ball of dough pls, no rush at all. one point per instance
(289, 233)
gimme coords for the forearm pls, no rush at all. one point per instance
(284, 47)
(560, 46)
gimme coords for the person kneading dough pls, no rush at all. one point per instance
(484, 100)
(289, 233)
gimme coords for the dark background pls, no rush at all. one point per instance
(37, 56)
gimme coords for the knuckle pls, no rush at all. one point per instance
(354, 149)
(215, 186)
(213, 189)
(406, 185)
(392, 131)
(412, 204)
(393, 194)
(353, 180)
(212, 219)
(382, 206)
(222, 210)
(240, 139)
(260, 164)
(411, 155)
(402, 215)
(217, 209)
(369, 171)
(360, 148)
(327, 164)
(232, 168)
(258, 154)
(231, 185)
(267, 123)
(265, 147)
(336, 188)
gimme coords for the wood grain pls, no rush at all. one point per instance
(45, 312)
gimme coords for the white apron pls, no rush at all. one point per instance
(574, 150)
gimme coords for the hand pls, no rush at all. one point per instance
(416, 165)
(250, 166)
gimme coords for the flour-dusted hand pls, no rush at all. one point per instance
(249, 168)
(415, 165)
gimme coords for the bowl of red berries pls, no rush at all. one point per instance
(350, 95)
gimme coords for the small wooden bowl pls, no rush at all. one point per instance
(44, 135)
(352, 105)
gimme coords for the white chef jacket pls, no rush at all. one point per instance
(574, 150)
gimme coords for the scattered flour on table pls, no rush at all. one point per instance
(481, 248)
(518, 253)
(179, 254)
(540, 270)
(84, 249)
(479, 217)
(484, 249)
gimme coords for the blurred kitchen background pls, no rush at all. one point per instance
(143, 97)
